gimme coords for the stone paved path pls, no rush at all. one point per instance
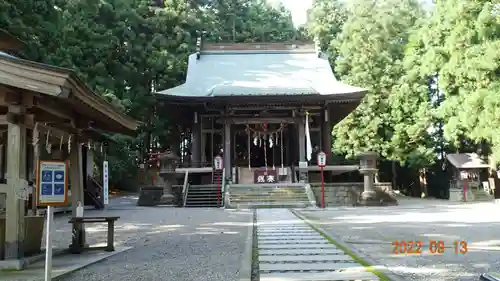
(291, 250)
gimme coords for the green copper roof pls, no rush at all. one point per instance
(258, 73)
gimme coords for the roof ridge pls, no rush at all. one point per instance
(257, 46)
(256, 52)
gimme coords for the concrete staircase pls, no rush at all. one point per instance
(202, 196)
(483, 196)
(284, 195)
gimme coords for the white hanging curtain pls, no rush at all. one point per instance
(308, 139)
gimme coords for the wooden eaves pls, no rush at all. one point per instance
(8, 42)
(57, 95)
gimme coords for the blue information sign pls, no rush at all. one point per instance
(52, 180)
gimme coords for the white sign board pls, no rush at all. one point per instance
(218, 163)
(105, 182)
(52, 181)
(322, 159)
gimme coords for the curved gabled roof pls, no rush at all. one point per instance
(261, 72)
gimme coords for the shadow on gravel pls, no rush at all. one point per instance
(372, 230)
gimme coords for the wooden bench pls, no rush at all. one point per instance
(77, 222)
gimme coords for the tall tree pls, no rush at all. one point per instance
(460, 47)
(247, 21)
(37, 23)
(371, 49)
(325, 21)
(126, 49)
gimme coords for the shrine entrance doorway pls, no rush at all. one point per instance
(261, 145)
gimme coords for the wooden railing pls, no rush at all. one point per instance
(94, 190)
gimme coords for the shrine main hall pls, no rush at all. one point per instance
(266, 108)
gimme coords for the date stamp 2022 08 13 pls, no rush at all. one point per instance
(435, 247)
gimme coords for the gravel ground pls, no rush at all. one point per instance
(178, 244)
(372, 231)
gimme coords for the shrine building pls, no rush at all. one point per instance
(266, 108)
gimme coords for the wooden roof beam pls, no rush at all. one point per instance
(62, 83)
(58, 112)
(8, 42)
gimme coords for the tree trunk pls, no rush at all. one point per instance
(423, 182)
(394, 176)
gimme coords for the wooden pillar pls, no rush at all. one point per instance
(196, 141)
(291, 151)
(326, 135)
(303, 174)
(76, 168)
(3, 195)
(227, 149)
(302, 140)
(89, 165)
(36, 157)
(16, 181)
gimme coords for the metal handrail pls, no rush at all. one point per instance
(185, 188)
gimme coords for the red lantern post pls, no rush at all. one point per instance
(322, 164)
(218, 167)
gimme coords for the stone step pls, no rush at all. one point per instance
(293, 251)
(293, 242)
(308, 258)
(273, 225)
(191, 192)
(319, 276)
(269, 190)
(198, 198)
(270, 198)
(301, 252)
(265, 237)
(265, 192)
(305, 266)
(297, 246)
(271, 205)
(288, 233)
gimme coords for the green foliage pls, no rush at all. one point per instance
(247, 21)
(327, 18)
(126, 50)
(460, 43)
(371, 52)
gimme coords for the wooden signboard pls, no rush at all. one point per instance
(261, 176)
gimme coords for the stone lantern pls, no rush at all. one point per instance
(368, 168)
(168, 164)
(161, 195)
